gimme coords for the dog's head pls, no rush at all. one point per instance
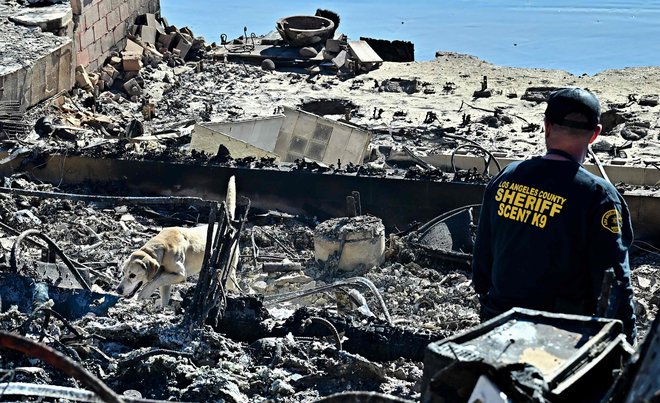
(138, 269)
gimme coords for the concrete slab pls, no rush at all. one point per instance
(31, 61)
(49, 19)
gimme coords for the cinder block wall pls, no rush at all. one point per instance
(102, 25)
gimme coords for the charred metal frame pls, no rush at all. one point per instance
(398, 201)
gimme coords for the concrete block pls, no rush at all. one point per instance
(100, 29)
(91, 16)
(82, 78)
(124, 12)
(107, 42)
(333, 45)
(107, 79)
(152, 22)
(105, 6)
(133, 47)
(38, 80)
(118, 34)
(359, 241)
(165, 41)
(49, 19)
(86, 38)
(132, 62)
(110, 71)
(66, 71)
(113, 19)
(77, 39)
(82, 57)
(76, 7)
(93, 65)
(148, 34)
(132, 87)
(154, 6)
(116, 4)
(183, 46)
(95, 52)
(134, 6)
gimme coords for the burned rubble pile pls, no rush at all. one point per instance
(320, 306)
(284, 352)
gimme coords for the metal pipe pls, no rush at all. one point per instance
(601, 169)
(57, 392)
(61, 362)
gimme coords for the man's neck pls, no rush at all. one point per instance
(572, 155)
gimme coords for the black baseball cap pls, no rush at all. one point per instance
(573, 100)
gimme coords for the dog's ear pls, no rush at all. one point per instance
(151, 265)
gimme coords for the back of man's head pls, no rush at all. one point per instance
(574, 108)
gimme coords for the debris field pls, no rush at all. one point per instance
(299, 329)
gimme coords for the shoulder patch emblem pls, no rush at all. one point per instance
(612, 221)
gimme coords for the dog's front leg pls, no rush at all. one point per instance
(165, 295)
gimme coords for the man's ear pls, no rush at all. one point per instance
(597, 131)
(547, 127)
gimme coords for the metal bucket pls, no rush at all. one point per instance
(304, 30)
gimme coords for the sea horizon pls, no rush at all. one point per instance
(585, 37)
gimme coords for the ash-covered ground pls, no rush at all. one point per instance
(206, 365)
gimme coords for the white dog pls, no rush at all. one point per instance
(172, 256)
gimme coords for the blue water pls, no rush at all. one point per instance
(578, 36)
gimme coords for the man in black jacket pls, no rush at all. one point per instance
(549, 229)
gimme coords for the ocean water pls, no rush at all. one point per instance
(578, 36)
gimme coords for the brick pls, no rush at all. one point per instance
(91, 16)
(82, 58)
(105, 6)
(86, 38)
(113, 19)
(100, 29)
(124, 12)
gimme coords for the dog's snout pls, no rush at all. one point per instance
(120, 289)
